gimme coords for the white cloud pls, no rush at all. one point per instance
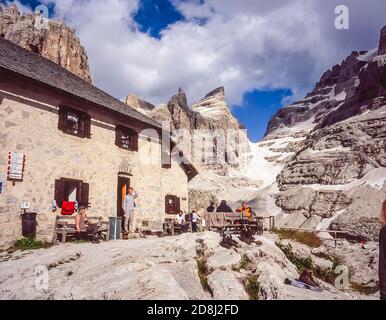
(244, 45)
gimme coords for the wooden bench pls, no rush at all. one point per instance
(170, 227)
(65, 225)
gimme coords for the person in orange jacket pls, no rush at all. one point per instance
(246, 211)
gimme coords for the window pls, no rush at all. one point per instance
(172, 204)
(71, 190)
(74, 122)
(126, 138)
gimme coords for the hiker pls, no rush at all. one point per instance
(246, 212)
(382, 253)
(180, 221)
(128, 208)
(82, 224)
(194, 217)
(223, 207)
(211, 208)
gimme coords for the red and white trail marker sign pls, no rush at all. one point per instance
(16, 165)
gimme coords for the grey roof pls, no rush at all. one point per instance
(34, 66)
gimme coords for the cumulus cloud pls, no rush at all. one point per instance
(244, 45)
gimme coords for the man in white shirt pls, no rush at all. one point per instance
(128, 208)
(180, 221)
(195, 217)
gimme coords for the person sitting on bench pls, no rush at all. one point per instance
(82, 224)
(211, 207)
(246, 212)
(181, 223)
(223, 207)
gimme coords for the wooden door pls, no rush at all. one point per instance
(123, 186)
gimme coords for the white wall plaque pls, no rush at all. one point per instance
(16, 162)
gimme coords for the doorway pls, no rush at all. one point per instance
(123, 186)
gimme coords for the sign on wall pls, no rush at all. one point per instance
(16, 164)
(124, 167)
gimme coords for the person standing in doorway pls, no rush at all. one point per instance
(128, 208)
(382, 253)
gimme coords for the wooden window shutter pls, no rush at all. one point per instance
(118, 136)
(84, 197)
(166, 204)
(86, 126)
(177, 205)
(134, 140)
(59, 192)
(62, 118)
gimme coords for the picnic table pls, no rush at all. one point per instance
(233, 222)
(65, 225)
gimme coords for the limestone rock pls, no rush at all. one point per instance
(361, 219)
(139, 104)
(151, 268)
(207, 121)
(382, 42)
(344, 147)
(224, 259)
(362, 261)
(334, 86)
(226, 286)
(59, 43)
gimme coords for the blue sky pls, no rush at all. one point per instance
(155, 15)
(261, 51)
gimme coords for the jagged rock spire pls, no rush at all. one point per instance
(382, 42)
(218, 93)
(12, 10)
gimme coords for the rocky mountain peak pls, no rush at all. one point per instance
(59, 43)
(336, 85)
(339, 163)
(218, 93)
(11, 10)
(139, 104)
(382, 42)
(179, 100)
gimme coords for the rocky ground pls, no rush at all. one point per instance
(189, 266)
